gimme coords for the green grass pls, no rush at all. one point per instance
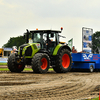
(3, 63)
(26, 69)
(50, 69)
(4, 69)
(94, 99)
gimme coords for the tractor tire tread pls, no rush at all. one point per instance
(58, 66)
(36, 63)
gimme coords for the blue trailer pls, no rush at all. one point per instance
(86, 61)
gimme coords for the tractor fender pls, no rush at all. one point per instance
(44, 51)
(59, 47)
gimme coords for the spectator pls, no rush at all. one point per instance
(74, 50)
(14, 49)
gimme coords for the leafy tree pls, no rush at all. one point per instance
(14, 41)
(96, 42)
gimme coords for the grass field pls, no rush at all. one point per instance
(93, 99)
(3, 63)
(26, 69)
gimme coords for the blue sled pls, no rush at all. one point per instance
(86, 61)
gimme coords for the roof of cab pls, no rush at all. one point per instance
(45, 31)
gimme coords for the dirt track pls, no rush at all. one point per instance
(50, 86)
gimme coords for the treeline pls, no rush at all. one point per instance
(96, 42)
(14, 41)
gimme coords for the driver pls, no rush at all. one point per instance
(49, 42)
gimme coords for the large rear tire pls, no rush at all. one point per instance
(40, 63)
(63, 62)
(12, 66)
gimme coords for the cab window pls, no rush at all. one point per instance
(36, 37)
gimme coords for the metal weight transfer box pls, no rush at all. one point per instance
(86, 61)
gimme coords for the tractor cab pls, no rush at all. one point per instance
(48, 39)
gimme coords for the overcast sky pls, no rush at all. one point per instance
(18, 15)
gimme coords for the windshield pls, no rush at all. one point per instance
(41, 37)
(36, 37)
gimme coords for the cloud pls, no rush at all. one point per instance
(75, 8)
(4, 3)
(17, 16)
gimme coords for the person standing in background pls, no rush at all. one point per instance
(74, 50)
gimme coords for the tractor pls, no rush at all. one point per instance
(42, 50)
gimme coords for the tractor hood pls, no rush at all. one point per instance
(28, 50)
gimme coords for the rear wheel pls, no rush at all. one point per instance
(13, 67)
(63, 62)
(40, 63)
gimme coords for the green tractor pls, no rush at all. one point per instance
(42, 50)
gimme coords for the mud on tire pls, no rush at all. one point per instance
(12, 66)
(40, 63)
(63, 62)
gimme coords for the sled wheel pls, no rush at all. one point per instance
(91, 68)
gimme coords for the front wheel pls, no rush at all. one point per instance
(63, 62)
(12, 66)
(40, 63)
